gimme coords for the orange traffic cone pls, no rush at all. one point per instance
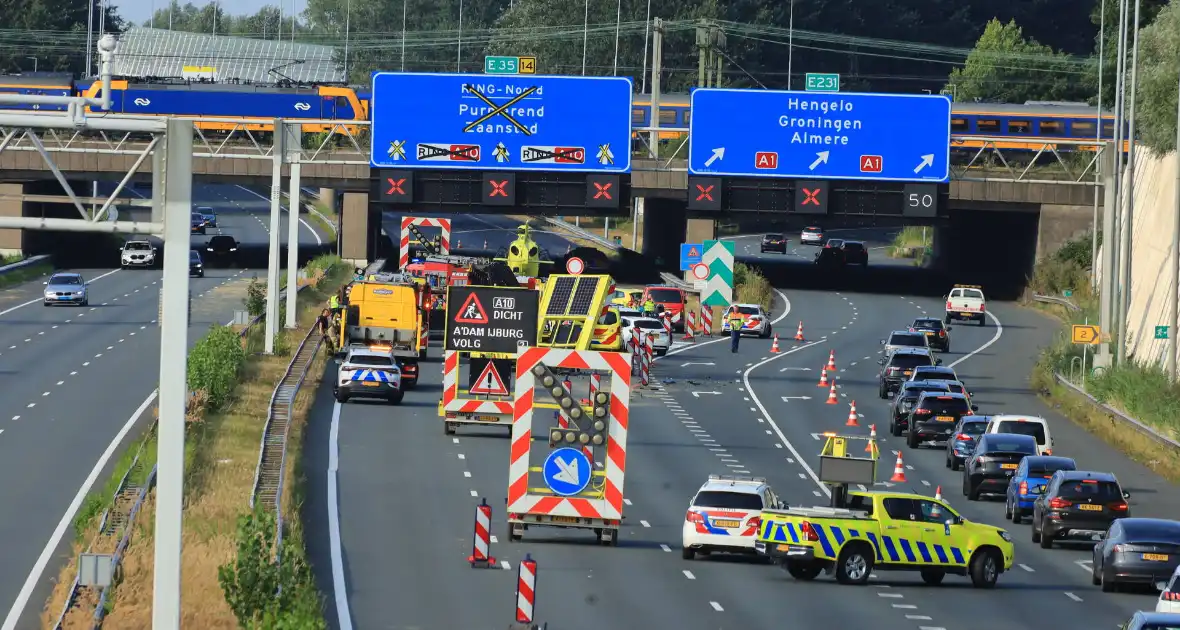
(852, 416)
(799, 333)
(774, 345)
(832, 360)
(938, 493)
(898, 471)
(823, 377)
(832, 400)
(872, 438)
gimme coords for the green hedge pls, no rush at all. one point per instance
(214, 364)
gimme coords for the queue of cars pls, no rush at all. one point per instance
(833, 251)
(1013, 456)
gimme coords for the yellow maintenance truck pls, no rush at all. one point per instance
(389, 312)
(862, 532)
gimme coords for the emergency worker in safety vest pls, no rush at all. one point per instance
(649, 307)
(735, 321)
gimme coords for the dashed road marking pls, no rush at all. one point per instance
(716, 606)
(688, 574)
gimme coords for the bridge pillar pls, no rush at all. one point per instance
(328, 198)
(664, 223)
(12, 241)
(355, 240)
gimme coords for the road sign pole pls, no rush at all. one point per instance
(1174, 266)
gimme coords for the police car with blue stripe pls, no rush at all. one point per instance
(368, 373)
(724, 515)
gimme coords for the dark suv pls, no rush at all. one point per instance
(936, 332)
(898, 367)
(966, 434)
(855, 253)
(994, 461)
(935, 415)
(1077, 504)
(222, 250)
(774, 243)
(903, 403)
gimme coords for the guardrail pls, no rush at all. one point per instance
(28, 262)
(109, 514)
(1052, 299)
(1120, 415)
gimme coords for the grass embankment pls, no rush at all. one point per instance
(1143, 392)
(325, 212)
(24, 274)
(225, 429)
(912, 242)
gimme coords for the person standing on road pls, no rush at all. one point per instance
(735, 321)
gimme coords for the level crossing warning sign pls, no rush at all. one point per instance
(489, 382)
(491, 319)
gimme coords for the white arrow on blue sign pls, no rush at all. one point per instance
(567, 471)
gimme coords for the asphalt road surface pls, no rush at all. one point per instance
(395, 496)
(72, 380)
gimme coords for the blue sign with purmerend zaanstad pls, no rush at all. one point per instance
(811, 135)
(501, 122)
(567, 471)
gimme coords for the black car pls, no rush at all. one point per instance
(774, 243)
(995, 459)
(195, 266)
(962, 444)
(904, 401)
(197, 223)
(934, 417)
(830, 258)
(1137, 551)
(936, 332)
(934, 373)
(898, 366)
(221, 249)
(1076, 504)
(855, 253)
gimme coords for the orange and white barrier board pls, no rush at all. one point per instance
(444, 241)
(457, 409)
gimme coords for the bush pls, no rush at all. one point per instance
(751, 287)
(214, 363)
(265, 594)
(255, 300)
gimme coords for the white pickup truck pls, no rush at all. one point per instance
(966, 301)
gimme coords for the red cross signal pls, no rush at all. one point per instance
(602, 191)
(704, 193)
(811, 196)
(395, 186)
(499, 188)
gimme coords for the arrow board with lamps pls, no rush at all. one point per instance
(567, 471)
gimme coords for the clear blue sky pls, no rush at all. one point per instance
(138, 11)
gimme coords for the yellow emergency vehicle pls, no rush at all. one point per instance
(863, 532)
(627, 298)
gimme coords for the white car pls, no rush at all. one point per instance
(138, 254)
(662, 341)
(368, 373)
(1024, 425)
(1169, 601)
(966, 301)
(812, 235)
(724, 515)
(757, 322)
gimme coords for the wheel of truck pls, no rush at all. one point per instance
(933, 577)
(803, 571)
(341, 397)
(983, 321)
(448, 428)
(985, 568)
(512, 537)
(854, 564)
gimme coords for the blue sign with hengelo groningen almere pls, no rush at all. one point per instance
(811, 135)
(487, 122)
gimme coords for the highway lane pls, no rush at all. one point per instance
(58, 365)
(877, 240)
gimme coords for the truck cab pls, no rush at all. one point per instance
(966, 301)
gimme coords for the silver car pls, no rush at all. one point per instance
(661, 341)
(66, 288)
(904, 339)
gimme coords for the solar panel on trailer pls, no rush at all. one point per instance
(562, 289)
(584, 296)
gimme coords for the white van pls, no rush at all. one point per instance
(1024, 425)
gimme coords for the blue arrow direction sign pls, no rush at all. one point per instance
(690, 254)
(567, 471)
(485, 122)
(810, 135)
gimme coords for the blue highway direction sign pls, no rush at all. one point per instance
(690, 254)
(567, 471)
(811, 135)
(500, 122)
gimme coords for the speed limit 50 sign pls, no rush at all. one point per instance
(920, 200)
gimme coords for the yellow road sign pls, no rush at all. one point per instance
(1086, 333)
(528, 65)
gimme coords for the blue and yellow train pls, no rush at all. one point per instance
(1026, 126)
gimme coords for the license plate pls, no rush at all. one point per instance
(945, 418)
(908, 373)
(928, 333)
(1156, 557)
(63, 297)
(786, 547)
(371, 384)
(1008, 466)
(486, 418)
(726, 523)
(1090, 508)
(565, 519)
(965, 314)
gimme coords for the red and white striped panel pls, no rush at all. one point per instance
(404, 244)
(520, 501)
(451, 400)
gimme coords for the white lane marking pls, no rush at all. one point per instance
(666, 548)
(67, 519)
(688, 574)
(474, 493)
(918, 617)
(1027, 568)
(339, 586)
(716, 606)
(16, 417)
(1073, 597)
(1083, 565)
(318, 240)
(894, 595)
(626, 501)
(31, 405)
(905, 606)
(22, 305)
(462, 456)
(504, 564)
(995, 338)
(645, 523)
(931, 628)
(467, 473)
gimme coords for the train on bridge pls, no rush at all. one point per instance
(1029, 126)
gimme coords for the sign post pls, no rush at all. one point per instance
(823, 82)
(814, 135)
(501, 122)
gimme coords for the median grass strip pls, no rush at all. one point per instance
(25, 274)
(221, 454)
